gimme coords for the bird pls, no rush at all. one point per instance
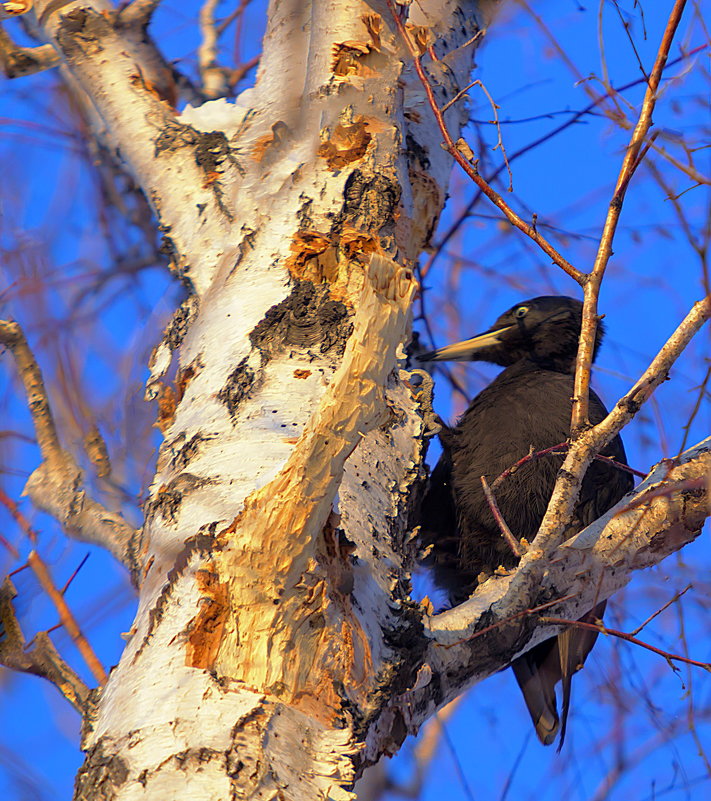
(526, 409)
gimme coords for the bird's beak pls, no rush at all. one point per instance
(467, 349)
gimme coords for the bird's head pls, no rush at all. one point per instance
(544, 330)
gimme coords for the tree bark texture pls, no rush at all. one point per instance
(274, 621)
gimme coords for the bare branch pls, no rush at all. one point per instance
(42, 659)
(214, 78)
(629, 165)
(583, 449)
(56, 485)
(66, 616)
(511, 541)
(16, 61)
(585, 570)
(470, 169)
(139, 12)
(581, 624)
(41, 571)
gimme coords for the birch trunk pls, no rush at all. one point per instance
(274, 620)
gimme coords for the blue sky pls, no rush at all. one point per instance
(48, 225)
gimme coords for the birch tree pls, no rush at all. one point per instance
(276, 650)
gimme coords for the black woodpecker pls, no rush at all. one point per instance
(527, 407)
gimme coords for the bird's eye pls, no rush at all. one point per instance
(522, 311)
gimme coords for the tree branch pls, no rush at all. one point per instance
(42, 659)
(502, 619)
(455, 150)
(631, 161)
(138, 12)
(56, 485)
(17, 61)
(214, 78)
(582, 451)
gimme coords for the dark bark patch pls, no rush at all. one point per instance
(166, 502)
(237, 387)
(19, 62)
(417, 153)
(177, 328)
(408, 645)
(188, 451)
(308, 318)
(174, 136)
(202, 544)
(102, 775)
(212, 150)
(80, 31)
(370, 202)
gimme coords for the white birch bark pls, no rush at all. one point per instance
(273, 567)
(276, 650)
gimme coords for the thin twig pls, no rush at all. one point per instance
(451, 147)
(39, 568)
(560, 450)
(562, 621)
(511, 541)
(495, 109)
(659, 611)
(74, 574)
(629, 164)
(66, 617)
(598, 100)
(507, 619)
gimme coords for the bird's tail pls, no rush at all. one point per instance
(537, 672)
(541, 668)
(574, 645)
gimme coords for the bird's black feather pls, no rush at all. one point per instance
(526, 408)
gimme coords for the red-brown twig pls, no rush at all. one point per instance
(74, 574)
(561, 621)
(659, 611)
(39, 568)
(66, 617)
(546, 137)
(508, 619)
(669, 489)
(451, 147)
(561, 449)
(511, 541)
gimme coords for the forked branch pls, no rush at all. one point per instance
(56, 486)
(41, 659)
